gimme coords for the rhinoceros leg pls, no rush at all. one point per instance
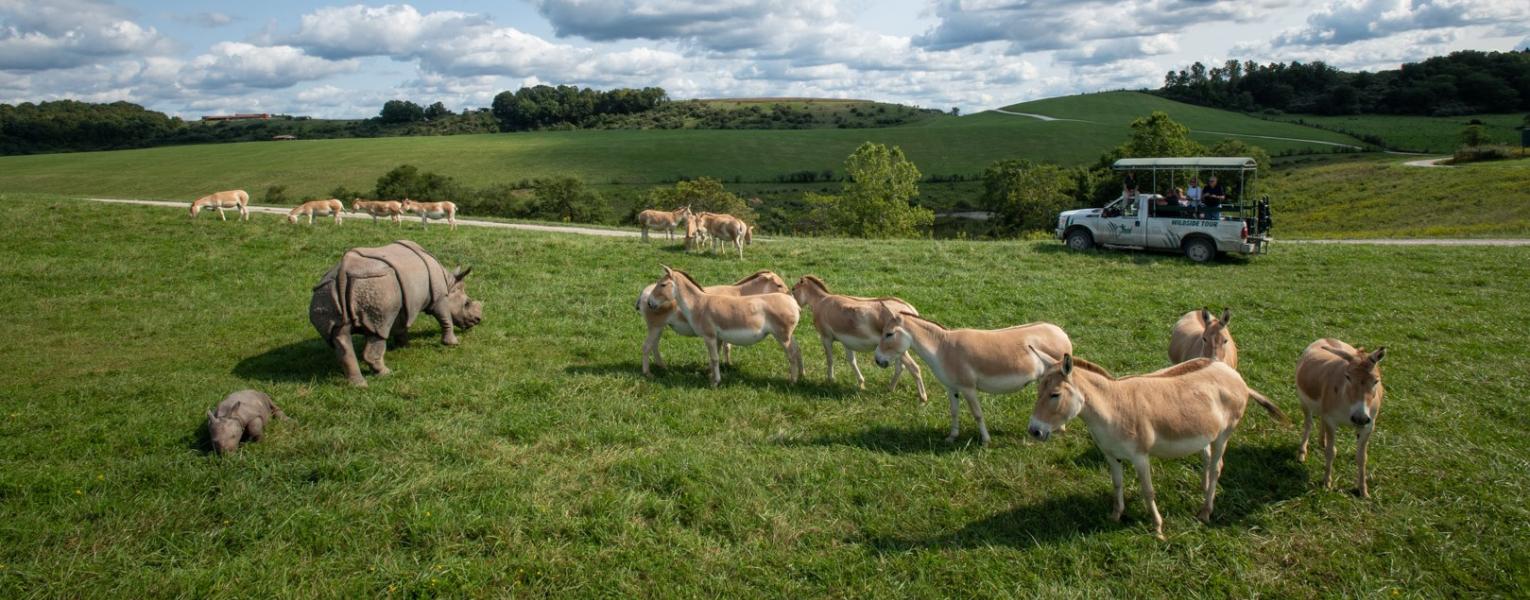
(256, 429)
(347, 357)
(400, 334)
(448, 333)
(373, 354)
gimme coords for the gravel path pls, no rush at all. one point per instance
(1429, 162)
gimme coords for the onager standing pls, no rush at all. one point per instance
(222, 200)
(1200, 335)
(737, 320)
(761, 282)
(855, 323)
(727, 228)
(967, 361)
(1190, 407)
(392, 209)
(433, 210)
(663, 220)
(322, 208)
(1341, 384)
(695, 235)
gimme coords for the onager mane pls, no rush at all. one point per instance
(1079, 363)
(818, 282)
(756, 275)
(693, 281)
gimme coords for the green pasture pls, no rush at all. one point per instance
(1419, 134)
(535, 460)
(941, 146)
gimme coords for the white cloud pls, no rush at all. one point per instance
(238, 65)
(1349, 21)
(62, 34)
(1112, 50)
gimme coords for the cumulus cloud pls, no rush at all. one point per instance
(1113, 50)
(209, 20)
(1350, 21)
(1042, 25)
(239, 65)
(63, 34)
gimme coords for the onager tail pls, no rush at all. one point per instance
(1268, 405)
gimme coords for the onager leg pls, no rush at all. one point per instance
(451, 219)
(908, 363)
(793, 355)
(1362, 442)
(244, 212)
(1328, 435)
(1115, 478)
(956, 416)
(651, 346)
(977, 413)
(373, 354)
(712, 358)
(221, 217)
(1214, 473)
(1301, 454)
(644, 227)
(860, 380)
(828, 354)
(1144, 470)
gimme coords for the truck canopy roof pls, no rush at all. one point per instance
(1241, 163)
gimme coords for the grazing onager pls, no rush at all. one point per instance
(657, 318)
(222, 200)
(1341, 384)
(1200, 335)
(968, 361)
(695, 235)
(856, 323)
(392, 209)
(378, 292)
(241, 414)
(1190, 407)
(432, 210)
(726, 228)
(662, 220)
(322, 208)
(737, 320)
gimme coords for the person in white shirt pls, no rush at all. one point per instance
(1194, 193)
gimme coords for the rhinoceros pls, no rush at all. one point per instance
(241, 413)
(378, 292)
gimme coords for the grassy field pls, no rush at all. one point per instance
(1378, 196)
(535, 460)
(313, 167)
(1419, 134)
(1115, 110)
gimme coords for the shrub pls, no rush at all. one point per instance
(277, 194)
(1485, 152)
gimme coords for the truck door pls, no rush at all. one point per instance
(1129, 227)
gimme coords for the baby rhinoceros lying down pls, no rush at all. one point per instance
(378, 292)
(240, 414)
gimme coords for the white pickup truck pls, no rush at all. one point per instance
(1147, 221)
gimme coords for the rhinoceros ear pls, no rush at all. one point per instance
(462, 272)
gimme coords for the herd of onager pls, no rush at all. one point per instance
(1190, 407)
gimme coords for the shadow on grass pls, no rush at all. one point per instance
(1256, 476)
(897, 440)
(695, 376)
(298, 361)
(198, 439)
(1049, 521)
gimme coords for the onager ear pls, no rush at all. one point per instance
(1206, 317)
(667, 270)
(1067, 369)
(1046, 361)
(1379, 354)
(1226, 315)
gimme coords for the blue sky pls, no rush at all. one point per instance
(345, 60)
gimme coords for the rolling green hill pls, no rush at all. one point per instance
(1418, 134)
(962, 145)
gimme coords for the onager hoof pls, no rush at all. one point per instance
(951, 439)
(1115, 515)
(1301, 456)
(1204, 516)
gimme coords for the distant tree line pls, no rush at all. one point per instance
(72, 125)
(544, 106)
(1463, 82)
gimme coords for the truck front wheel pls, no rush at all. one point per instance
(1200, 249)
(1080, 240)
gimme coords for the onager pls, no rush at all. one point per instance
(761, 282)
(378, 292)
(856, 323)
(1190, 407)
(241, 414)
(695, 235)
(737, 320)
(661, 220)
(322, 208)
(968, 361)
(727, 228)
(1200, 335)
(223, 200)
(432, 210)
(392, 209)
(1340, 384)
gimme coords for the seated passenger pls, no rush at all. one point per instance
(1193, 195)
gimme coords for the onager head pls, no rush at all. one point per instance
(664, 289)
(808, 287)
(1215, 338)
(763, 282)
(1058, 399)
(225, 433)
(1360, 380)
(895, 339)
(466, 312)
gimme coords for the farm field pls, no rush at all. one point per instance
(534, 459)
(1419, 134)
(1373, 196)
(942, 146)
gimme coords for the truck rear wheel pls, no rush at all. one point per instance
(1080, 240)
(1200, 249)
